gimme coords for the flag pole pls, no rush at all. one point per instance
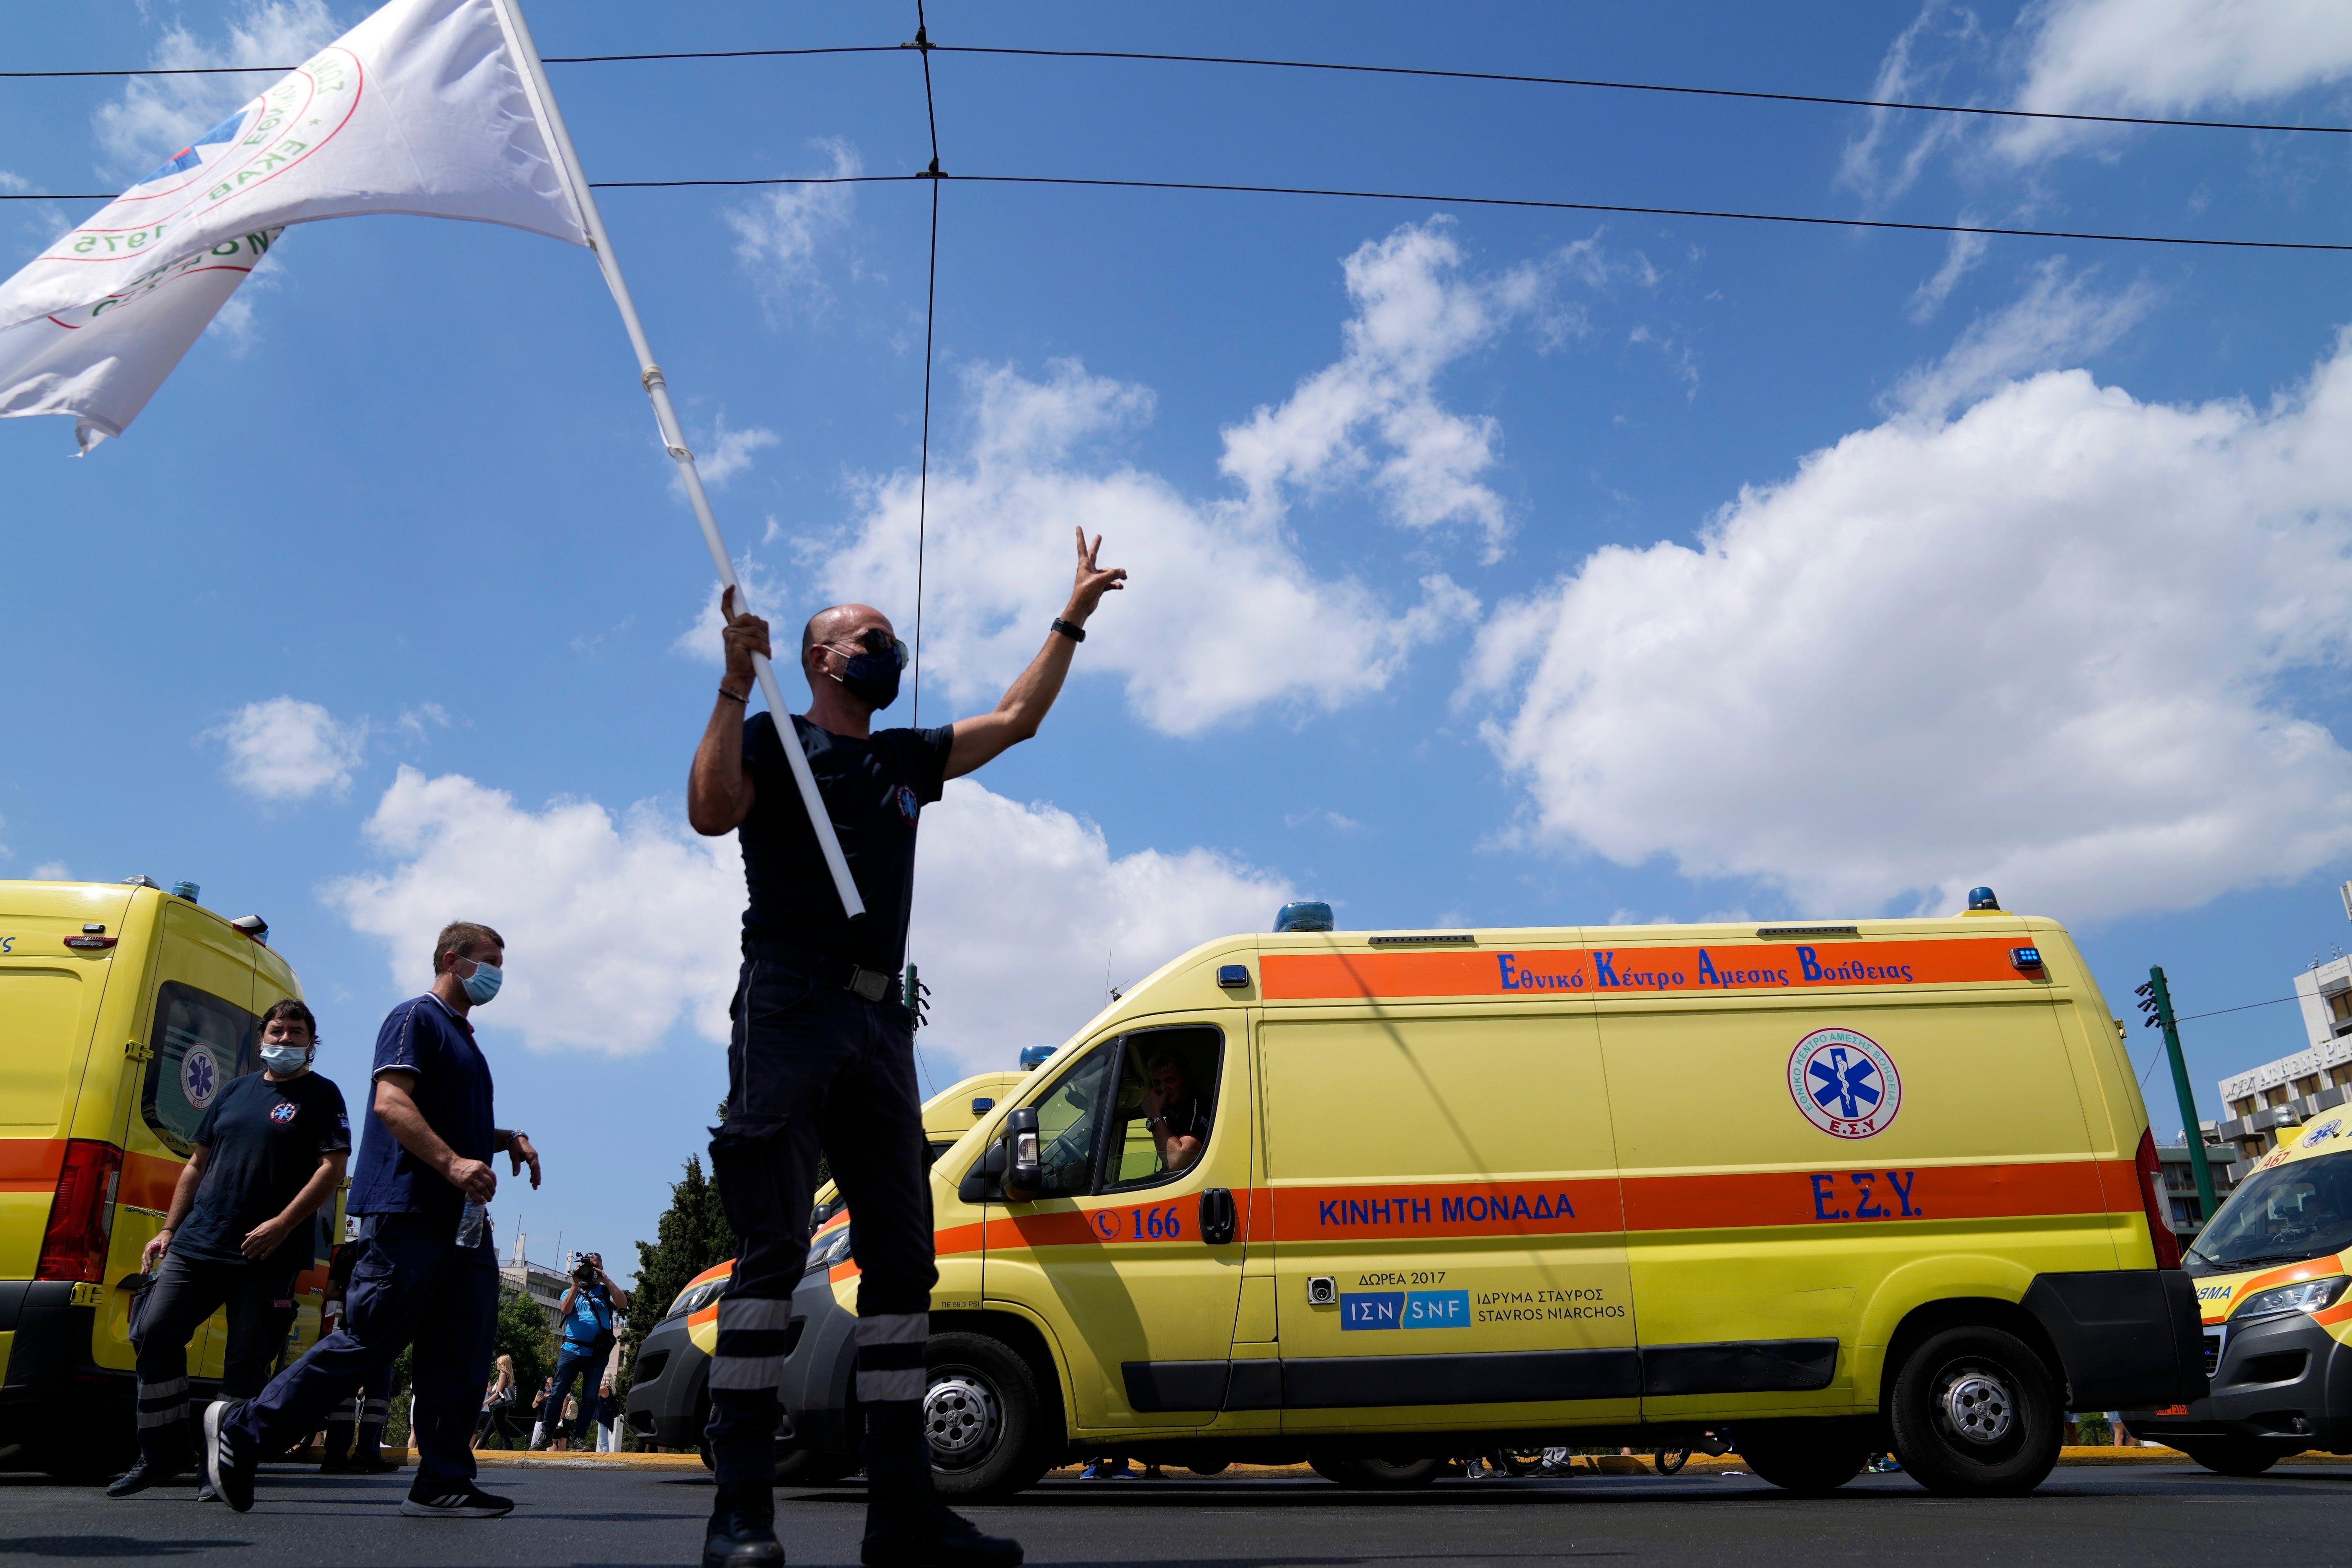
(674, 438)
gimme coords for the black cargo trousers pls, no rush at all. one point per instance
(811, 1067)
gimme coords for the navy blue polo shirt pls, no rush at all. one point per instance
(453, 1094)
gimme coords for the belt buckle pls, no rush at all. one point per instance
(870, 984)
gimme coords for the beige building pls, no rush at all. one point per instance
(2295, 1089)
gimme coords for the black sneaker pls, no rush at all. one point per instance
(229, 1457)
(454, 1500)
(372, 1465)
(145, 1471)
(743, 1529)
(907, 1526)
(335, 1465)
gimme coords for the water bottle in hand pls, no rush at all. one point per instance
(472, 1221)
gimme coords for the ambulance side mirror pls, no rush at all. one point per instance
(1024, 1175)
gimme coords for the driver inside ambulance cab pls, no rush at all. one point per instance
(1172, 1114)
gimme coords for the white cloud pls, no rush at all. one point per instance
(155, 115)
(1019, 907)
(779, 233)
(613, 929)
(2058, 318)
(2042, 646)
(2170, 56)
(1001, 522)
(729, 452)
(1415, 315)
(619, 929)
(52, 872)
(1961, 254)
(285, 749)
(1872, 165)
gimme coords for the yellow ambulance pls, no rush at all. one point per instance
(2270, 1278)
(1834, 1188)
(123, 1009)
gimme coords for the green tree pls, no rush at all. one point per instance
(693, 1234)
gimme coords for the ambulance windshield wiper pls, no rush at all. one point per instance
(2261, 1259)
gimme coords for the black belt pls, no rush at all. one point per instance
(869, 984)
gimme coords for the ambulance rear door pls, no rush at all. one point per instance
(1449, 1248)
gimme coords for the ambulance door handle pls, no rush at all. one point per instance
(1216, 1215)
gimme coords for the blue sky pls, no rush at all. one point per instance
(1490, 567)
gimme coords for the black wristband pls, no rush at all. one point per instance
(745, 698)
(1075, 633)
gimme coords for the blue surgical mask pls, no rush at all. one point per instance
(285, 1058)
(483, 984)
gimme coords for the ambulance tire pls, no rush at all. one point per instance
(1973, 1369)
(1811, 1459)
(982, 1394)
(2227, 1459)
(1366, 1475)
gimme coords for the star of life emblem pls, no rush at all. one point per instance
(1845, 1083)
(199, 1076)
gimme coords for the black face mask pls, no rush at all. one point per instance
(872, 677)
(873, 680)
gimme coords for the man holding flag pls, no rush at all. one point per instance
(822, 1058)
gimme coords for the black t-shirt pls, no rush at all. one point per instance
(1187, 1119)
(266, 1139)
(875, 790)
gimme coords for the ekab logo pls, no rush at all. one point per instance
(1845, 1082)
(199, 1076)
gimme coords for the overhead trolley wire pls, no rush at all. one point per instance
(1644, 87)
(924, 46)
(1339, 66)
(1442, 200)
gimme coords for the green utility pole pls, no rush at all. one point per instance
(2156, 1000)
(917, 996)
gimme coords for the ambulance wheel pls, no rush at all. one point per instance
(2227, 1459)
(1364, 1475)
(1811, 1459)
(983, 1418)
(1975, 1415)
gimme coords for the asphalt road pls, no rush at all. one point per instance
(2141, 1515)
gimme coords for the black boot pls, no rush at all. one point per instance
(147, 1470)
(743, 1529)
(907, 1526)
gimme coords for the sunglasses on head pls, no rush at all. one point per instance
(881, 645)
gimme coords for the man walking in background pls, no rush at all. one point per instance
(429, 1275)
(821, 1057)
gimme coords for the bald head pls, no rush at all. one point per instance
(843, 624)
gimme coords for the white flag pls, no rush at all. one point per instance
(423, 107)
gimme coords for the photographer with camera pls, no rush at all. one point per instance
(588, 1310)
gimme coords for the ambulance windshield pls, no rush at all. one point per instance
(2285, 1215)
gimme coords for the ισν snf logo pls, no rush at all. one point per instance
(1845, 1083)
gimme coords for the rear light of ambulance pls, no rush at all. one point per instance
(2152, 1198)
(82, 1213)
